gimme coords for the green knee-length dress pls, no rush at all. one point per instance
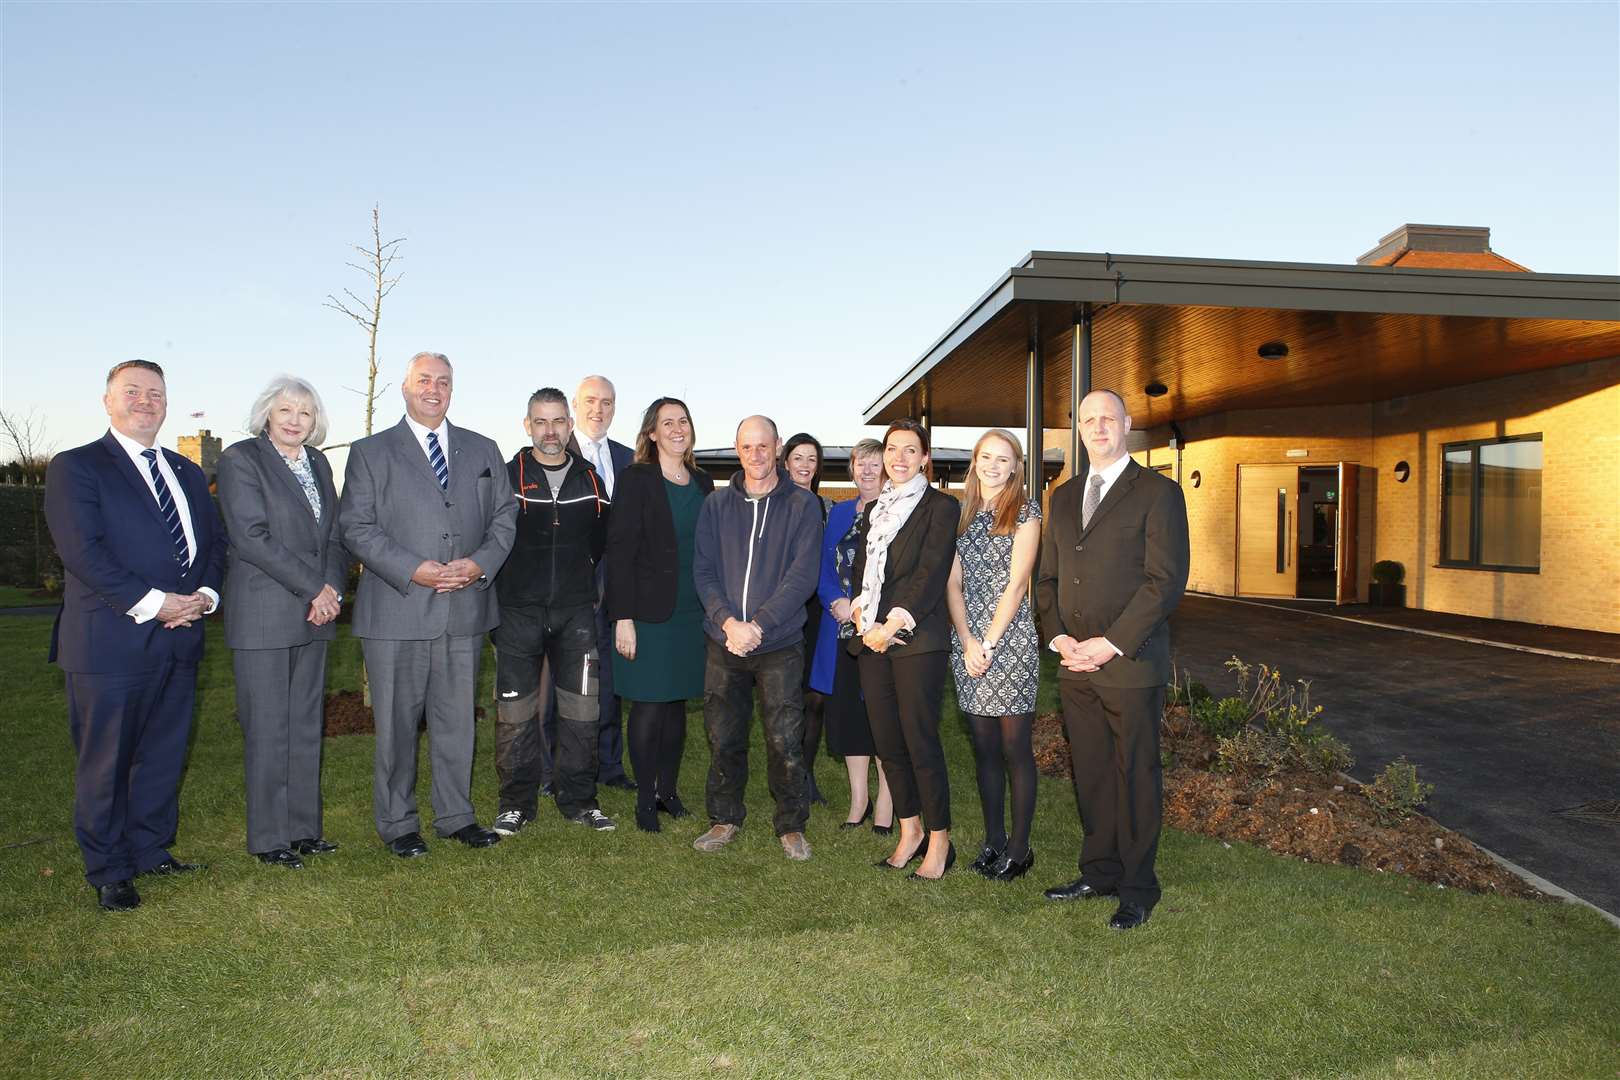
(670, 654)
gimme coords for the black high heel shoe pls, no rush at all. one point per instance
(673, 806)
(1009, 869)
(950, 861)
(985, 864)
(917, 853)
(862, 820)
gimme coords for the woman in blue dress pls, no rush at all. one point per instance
(833, 672)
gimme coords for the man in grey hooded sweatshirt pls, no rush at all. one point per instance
(755, 562)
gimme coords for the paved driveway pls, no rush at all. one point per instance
(1507, 738)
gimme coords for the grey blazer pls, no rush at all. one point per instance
(394, 516)
(280, 556)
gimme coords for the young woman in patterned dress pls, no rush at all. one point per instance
(995, 651)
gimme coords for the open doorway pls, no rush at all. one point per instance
(1296, 534)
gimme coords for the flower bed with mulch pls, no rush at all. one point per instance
(1307, 815)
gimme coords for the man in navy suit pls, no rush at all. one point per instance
(144, 550)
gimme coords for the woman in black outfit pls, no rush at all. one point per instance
(904, 643)
(801, 457)
(657, 620)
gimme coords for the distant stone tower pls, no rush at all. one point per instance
(202, 448)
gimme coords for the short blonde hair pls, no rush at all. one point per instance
(293, 388)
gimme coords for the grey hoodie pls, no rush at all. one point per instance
(757, 560)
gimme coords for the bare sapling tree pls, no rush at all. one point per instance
(30, 453)
(376, 262)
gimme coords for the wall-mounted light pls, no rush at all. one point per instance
(1403, 472)
(1197, 478)
(1155, 389)
(1272, 350)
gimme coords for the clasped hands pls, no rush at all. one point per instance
(742, 638)
(447, 577)
(879, 637)
(182, 609)
(1087, 655)
(324, 608)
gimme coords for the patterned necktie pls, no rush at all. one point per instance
(170, 512)
(1093, 497)
(436, 459)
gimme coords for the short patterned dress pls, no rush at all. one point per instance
(1008, 688)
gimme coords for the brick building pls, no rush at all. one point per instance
(1435, 404)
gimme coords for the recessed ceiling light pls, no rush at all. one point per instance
(1156, 389)
(1272, 350)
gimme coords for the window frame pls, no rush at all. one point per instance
(1476, 497)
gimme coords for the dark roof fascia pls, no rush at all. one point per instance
(1084, 277)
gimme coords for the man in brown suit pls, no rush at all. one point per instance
(1113, 567)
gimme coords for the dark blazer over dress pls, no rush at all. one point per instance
(281, 557)
(904, 687)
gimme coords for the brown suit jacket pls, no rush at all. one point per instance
(1119, 579)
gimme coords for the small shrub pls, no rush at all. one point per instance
(1250, 751)
(1323, 753)
(1388, 572)
(1396, 793)
(1223, 718)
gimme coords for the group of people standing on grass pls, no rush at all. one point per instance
(600, 571)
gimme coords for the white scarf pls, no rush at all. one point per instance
(891, 511)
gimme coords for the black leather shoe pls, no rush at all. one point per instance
(1128, 916)
(915, 856)
(950, 861)
(408, 846)
(986, 862)
(647, 819)
(623, 783)
(862, 820)
(1009, 869)
(118, 896)
(673, 806)
(883, 830)
(314, 845)
(475, 835)
(1079, 889)
(171, 865)
(283, 857)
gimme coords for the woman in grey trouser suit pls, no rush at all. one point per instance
(283, 585)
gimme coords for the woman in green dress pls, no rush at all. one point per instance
(657, 621)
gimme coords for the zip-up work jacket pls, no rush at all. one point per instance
(756, 560)
(560, 535)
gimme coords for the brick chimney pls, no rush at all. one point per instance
(1439, 247)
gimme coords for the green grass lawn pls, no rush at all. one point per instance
(11, 596)
(565, 953)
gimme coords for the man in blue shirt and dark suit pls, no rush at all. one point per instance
(144, 553)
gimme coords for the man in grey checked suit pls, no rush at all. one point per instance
(428, 510)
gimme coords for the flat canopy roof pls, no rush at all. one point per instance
(1353, 334)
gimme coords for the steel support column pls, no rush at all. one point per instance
(1034, 427)
(1079, 387)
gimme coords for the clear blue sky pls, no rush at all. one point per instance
(759, 208)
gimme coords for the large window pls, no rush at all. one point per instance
(1490, 504)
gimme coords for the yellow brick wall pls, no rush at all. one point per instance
(1577, 411)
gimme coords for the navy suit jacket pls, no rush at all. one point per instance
(116, 548)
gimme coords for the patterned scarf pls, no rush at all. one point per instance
(891, 511)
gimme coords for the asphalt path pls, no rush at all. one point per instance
(1508, 738)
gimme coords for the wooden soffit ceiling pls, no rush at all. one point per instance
(1353, 334)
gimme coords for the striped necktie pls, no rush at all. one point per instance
(1093, 500)
(436, 459)
(170, 512)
